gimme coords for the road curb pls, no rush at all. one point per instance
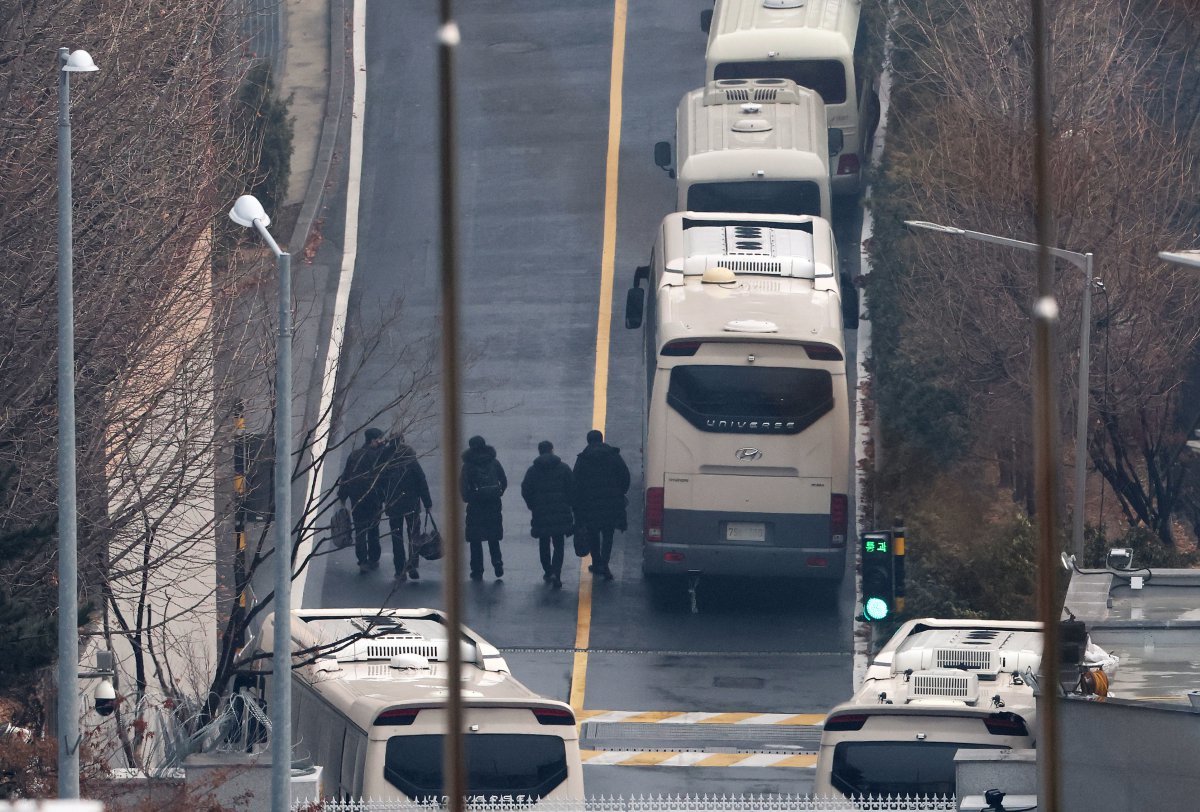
(330, 123)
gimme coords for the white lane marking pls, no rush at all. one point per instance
(611, 716)
(689, 718)
(765, 719)
(341, 300)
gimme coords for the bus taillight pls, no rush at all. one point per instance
(839, 514)
(654, 514)
(554, 716)
(397, 716)
(848, 164)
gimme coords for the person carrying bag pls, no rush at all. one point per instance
(428, 543)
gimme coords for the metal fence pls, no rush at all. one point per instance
(658, 803)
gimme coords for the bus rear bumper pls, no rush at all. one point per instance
(743, 561)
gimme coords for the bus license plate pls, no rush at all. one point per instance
(745, 531)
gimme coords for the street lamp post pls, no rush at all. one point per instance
(1084, 263)
(68, 563)
(247, 211)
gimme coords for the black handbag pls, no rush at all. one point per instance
(431, 540)
(585, 541)
(340, 532)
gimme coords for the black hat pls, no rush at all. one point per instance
(477, 442)
(373, 434)
(595, 436)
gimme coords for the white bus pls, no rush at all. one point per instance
(812, 43)
(372, 711)
(751, 145)
(937, 687)
(746, 440)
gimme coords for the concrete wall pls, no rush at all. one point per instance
(1129, 755)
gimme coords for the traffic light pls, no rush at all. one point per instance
(878, 576)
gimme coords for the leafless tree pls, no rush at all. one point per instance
(1124, 185)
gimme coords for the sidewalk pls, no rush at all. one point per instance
(304, 68)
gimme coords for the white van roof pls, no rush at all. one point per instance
(733, 128)
(784, 285)
(808, 29)
(954, 665)
(399, 658)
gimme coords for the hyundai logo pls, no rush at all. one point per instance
(747, 453)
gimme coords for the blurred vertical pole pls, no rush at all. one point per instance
(1045, 316)
(281, 668)
(453, 755)
(68, 564)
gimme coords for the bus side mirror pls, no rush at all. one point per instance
(836, 142)
(635, 299)
(706, 20)
(662, 157)
(849, 302)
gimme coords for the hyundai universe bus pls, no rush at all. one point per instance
(747, 434)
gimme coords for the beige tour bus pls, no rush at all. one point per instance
(371, 711)
(746, 439)
(810, 42)
(751, 145)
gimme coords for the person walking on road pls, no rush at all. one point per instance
(601, 482)
(405, 491)
(361, 483)
(482, 484)
(548, 492)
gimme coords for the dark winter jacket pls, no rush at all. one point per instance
(601, 482)
(548, 492)
(404, 483)
(362, 478)
(485, 522)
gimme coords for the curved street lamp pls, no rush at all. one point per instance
(1084, 263)
(68, 542)
(248, 212)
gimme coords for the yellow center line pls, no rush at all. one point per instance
(583, 628)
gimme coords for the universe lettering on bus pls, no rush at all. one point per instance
(713, 424)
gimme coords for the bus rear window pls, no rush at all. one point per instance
(504, 764)
(750, 400)
(757, 197)
(897, 768)
(826, 76)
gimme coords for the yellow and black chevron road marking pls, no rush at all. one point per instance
(677, 753)
(700, 718)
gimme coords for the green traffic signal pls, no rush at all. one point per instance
(878, 576)
(876, 609)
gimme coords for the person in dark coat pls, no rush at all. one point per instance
(361, 483)
(548, 491)
(482, 484)
(405, 491)
(601, 482)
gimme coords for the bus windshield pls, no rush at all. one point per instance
(889, 768)
(750, 400)
(757, 197)
(826, 76)
(504, 764)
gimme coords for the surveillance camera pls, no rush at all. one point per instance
(106, 698)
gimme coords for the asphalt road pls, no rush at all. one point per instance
(533, 121)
